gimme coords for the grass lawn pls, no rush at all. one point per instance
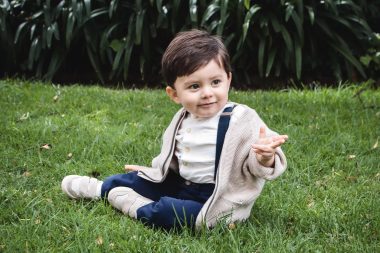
(327, 201)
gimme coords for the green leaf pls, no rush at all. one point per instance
(310, 10)
(32, 30)
(288, 11)
(127, 57)
(49, 36)
(32, 52)
(95, 64)
(211, 10)
(298, 57)
(223, 16)
(54, 64)
(274, 22)
(98, 12)
(247, 4)
(247, 20)
(36, 15)
(193, 10)
(116, 45)
(287, 39)
(139, 26)
(229, 39)
(324, 27)
(55, 30)
(174, 13)
(104, 39)
(344, 50)
(116, 62)
(261, 56)
(299, 26)
(271, 57)
(20, 28)
(69, 28)
(113, 7)
(87, 4)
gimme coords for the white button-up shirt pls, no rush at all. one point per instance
(196, 147)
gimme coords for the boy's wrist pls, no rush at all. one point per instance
(266, 162)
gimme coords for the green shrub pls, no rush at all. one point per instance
(123, 40)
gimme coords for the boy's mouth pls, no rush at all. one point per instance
(207, 104)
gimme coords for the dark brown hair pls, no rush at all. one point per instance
(191, 50)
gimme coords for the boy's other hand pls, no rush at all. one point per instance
(265, 147)
(129, 167)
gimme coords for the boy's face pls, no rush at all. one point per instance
(204, 92)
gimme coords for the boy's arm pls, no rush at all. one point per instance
(265, 147)
(266, 159)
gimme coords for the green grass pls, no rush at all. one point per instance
(327, 201)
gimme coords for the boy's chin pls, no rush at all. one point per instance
(204, 114)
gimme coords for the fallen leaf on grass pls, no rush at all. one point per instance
(99, 240)
(26, 174)
(351, 157)
(311, 203)
(69, 155)
(351, 179)
(55, 98)
(46, 146)
(232, 226)
(25, 116)
(376, 144)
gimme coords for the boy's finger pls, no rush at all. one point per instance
(280, 137)
(263, 148)
(262, 132)
(277, 143)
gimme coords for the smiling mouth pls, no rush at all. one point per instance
(207, 104)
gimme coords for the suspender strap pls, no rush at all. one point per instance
(224, 122)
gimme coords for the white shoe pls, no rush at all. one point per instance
(77, 187)
(127, 200)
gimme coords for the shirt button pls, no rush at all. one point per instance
(187, 183)
(187, 149)
(188, 130)
(184, 163)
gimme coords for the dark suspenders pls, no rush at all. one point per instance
(224, 122)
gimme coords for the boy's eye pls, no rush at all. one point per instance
(216, 82)
(194, 86)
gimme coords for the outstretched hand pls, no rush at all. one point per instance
(129, 167)
(265, 147)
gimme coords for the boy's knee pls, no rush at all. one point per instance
(170, 210)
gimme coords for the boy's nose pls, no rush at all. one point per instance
(207, 92)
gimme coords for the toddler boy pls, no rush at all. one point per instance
(215, 156)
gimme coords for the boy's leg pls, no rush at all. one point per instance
(170, 213)
(127, 200)
(150, 190)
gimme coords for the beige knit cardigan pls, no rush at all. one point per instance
(240, 177)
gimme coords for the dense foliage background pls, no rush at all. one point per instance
(121, 41)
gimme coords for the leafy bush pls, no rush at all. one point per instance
(123, 40)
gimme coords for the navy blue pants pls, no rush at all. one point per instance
(176, 201)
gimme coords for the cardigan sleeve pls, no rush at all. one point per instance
(256, 168)
(268, 173)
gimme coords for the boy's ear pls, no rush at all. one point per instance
(172, 93)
